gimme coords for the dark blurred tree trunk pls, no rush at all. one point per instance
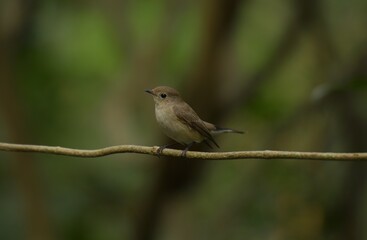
(205, 83)
(12, 43)
(177, 176)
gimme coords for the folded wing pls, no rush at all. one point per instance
(188, 116)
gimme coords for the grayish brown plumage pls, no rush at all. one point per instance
(180, 122)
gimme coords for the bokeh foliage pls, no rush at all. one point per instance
(290, 73)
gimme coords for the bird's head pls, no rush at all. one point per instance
(164, 94)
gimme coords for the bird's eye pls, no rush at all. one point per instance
(163, 95)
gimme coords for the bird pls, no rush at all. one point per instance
(180, 122)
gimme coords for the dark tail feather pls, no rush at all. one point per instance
(219, 130)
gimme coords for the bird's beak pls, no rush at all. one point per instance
(149, 91)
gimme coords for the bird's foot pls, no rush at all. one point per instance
(161, 148)
(183, 153)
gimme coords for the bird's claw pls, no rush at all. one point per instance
(183, 153)
(160, 150)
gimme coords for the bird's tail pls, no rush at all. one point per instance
(219, 130)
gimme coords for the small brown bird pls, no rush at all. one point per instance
(180, 122)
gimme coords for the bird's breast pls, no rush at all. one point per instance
(174, 128)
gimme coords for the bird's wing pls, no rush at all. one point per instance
(188, 116)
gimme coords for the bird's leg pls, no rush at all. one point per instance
(161, 148)
(183, 154)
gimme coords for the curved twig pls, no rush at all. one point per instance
(266, 154)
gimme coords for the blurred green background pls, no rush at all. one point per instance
(292, 73)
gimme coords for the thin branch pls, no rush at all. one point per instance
(266, 154)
